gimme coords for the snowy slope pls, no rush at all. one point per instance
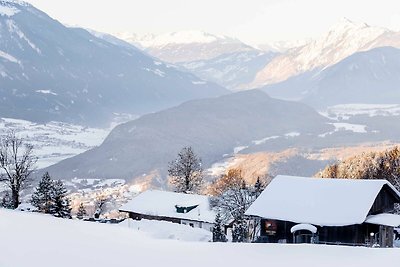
(54, 141)
(370, 77)
(342, 40)
(185, 46)
(231, 70)
(51, 72)
(41, 241)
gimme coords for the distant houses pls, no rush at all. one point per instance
(327, 211)
(188, 209)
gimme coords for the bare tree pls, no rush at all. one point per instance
(17, 163)
(186, 172)
(100, 206)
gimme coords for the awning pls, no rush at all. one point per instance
(386, 219)
(303, 226)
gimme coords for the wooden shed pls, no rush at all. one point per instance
(342, 211)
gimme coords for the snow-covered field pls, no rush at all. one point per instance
(40, 241)
(347, 111)
(55, 141)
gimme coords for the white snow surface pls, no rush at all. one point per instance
(303, 226)
(168, 230)
(162, 203)
(54, 141)
(9, 57)
(35, 240)
(324, 202)
(356, 128)
(346, 111)
(387, 219)
(180, 37)
(8, 10)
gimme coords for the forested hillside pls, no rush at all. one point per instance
(374, 165)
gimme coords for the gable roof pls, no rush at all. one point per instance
(163, 204)
(324, 202)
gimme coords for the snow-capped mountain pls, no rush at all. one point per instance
(185, 46)
(52, 72)
(281, 46)
(342, 40)
(231, 70)
(370, 77)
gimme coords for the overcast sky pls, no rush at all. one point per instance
(253, 21)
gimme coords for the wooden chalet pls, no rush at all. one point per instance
(188, 209)
(327, 211)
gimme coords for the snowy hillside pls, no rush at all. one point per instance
(49, 72)
(185, 46)
(44, 240)
(231, 70)
(54, 141)
(342, 40)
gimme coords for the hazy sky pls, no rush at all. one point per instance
(253, 21)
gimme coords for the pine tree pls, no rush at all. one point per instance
(62, 207)
(258, 187)
(81, 212)
(6, 201)
(240, 231)
(218, 232)
(42, 198)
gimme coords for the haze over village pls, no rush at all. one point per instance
(188, 133)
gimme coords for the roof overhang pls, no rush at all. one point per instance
(386, 219)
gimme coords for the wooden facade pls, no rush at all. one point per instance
(365, 234)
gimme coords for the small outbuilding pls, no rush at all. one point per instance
(188, 209)
(328, 211)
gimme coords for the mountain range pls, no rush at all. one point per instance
(52, 72)
(342, 40)
(213, 127)
(185, 46)
(368, 77)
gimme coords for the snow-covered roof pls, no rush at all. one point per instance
(303, 226)
(163, 204)
(384, 219)
(324, 202)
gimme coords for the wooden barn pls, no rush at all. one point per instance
(188, 209)
(328, 211)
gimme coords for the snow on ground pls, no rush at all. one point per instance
(346, 111)
(55, 141)
(356, 128)
(168, 230)
(8, 11)
(219, 168)
(342, 126)
(41, 241)
(264, 140)
(8, 56)
(236, 150)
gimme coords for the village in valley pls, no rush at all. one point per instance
(137, 137)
